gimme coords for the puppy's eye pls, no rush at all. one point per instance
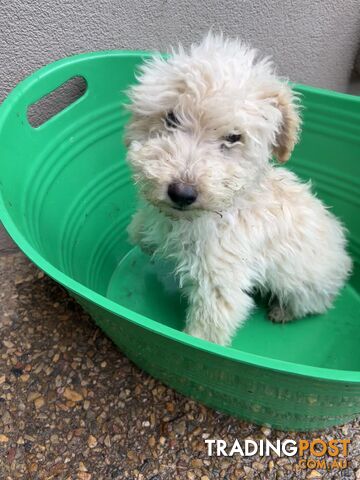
(232, 138)
(171, 121)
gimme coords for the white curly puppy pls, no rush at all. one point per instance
(205, 124)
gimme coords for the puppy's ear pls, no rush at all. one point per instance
(284, 99)
(288, 133)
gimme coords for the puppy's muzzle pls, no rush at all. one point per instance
(182, 194)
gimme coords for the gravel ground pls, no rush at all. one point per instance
(73, 407)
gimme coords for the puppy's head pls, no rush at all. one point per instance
(205, 124)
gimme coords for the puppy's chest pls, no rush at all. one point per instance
(229, 238)
(187, 238)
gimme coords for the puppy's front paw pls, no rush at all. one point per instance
(208, 334)
(278, 314)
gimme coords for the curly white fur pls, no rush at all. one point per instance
(253, 225)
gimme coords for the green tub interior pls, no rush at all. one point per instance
(66, 194)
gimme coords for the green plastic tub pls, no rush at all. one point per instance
(66, 198)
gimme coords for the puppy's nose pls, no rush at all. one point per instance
(182, 194)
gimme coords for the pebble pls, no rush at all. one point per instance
(180, 427)
(107, 441)
(92, 442)
(33, 467)
(84, 476)
(56, 357)
(314, 474)
(3, 438)
(131, 455)
(39, 402)
(259, 466)
(196, 463)
(82, 467)
(248, 470)
(266, 431)
(170, 407)
(33, 396)
(72, 395)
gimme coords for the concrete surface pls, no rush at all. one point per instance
(313, 42)
(7, 246)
